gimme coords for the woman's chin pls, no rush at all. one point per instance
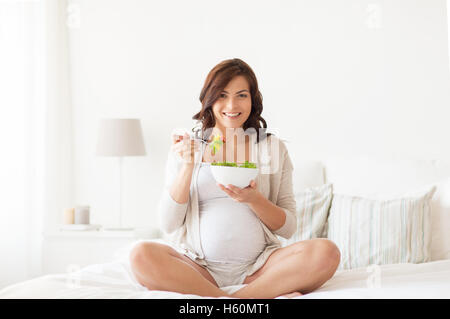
(232, 125)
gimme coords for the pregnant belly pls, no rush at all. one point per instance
(230, 232)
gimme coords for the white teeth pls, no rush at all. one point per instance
(232, 114)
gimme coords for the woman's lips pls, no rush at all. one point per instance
(232, 117)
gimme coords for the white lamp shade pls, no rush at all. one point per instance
(120, 137)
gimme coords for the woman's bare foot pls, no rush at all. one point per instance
(292, 294)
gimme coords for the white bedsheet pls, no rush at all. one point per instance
(115, 280)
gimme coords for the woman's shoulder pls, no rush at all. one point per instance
(274, 148)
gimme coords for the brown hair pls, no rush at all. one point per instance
(216, 81)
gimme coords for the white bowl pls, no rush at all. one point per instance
(237, 176)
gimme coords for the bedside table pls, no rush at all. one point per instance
(68, 250)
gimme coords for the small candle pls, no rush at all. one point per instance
(68, 217)
(82, 215)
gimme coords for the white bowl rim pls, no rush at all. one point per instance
(234, 167)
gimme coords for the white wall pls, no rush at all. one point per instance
(339, 79)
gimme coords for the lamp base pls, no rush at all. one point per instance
(118, 228)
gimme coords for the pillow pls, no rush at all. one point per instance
(373, 231)
(313, 205)
(440, 222)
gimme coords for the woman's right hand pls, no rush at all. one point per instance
(185, 147)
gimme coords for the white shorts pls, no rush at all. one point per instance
(226, 274)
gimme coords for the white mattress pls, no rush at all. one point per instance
(114, 280)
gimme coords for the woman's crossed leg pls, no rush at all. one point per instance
(303, 267)
(160, 267)
(300, 267)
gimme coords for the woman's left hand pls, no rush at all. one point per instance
(242, 195)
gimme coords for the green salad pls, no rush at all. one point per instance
(216, 144)
(247, 164)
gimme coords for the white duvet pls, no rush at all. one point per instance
(115, 280)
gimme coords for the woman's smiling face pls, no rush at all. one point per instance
(234, 99)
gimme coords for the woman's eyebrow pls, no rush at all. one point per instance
(236, 92)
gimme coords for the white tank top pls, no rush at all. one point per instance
(230, 232)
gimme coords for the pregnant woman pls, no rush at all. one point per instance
(223, 235)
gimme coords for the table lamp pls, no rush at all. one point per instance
(120, 138)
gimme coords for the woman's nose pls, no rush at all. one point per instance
(230, 105)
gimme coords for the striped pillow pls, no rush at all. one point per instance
(370, 231)
(313, 205)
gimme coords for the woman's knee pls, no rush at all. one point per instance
(326, 254)
(146, 254)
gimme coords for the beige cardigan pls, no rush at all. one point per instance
(180, 222)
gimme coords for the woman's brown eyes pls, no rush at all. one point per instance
(241, 95)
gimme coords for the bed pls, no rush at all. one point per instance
(364, 177)
(115, 280)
